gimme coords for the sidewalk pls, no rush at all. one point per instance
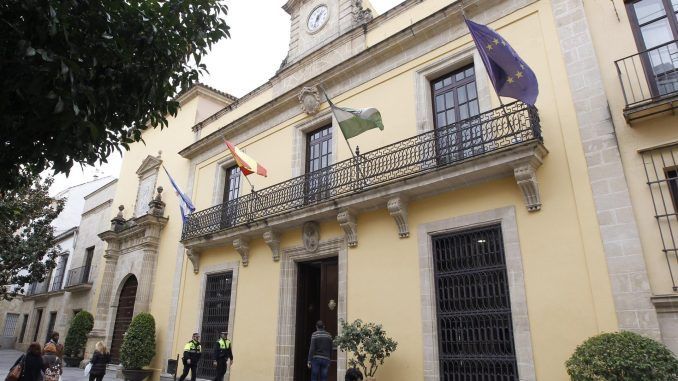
(8, 357)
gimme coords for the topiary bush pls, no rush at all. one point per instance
(622, 356)
(138, 345)
(367, 343)
(76, 338)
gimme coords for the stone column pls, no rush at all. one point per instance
(146, 280)
(106, 290)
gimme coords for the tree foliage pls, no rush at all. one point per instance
(622, 356)
(367, 343)
(138, 345)
(81, 78)
(81, 325)
(27, 243)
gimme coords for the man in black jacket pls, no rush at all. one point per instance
(320, 352)
(222, 351)
(192, 353)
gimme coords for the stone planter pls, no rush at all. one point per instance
(136, 374)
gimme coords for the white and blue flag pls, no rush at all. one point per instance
(185, 204)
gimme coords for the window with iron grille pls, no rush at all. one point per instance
(661, 170)
(10, 324)
(231, 193)
(215, 318)
(475, 330)
(318, 158)
(456, 108)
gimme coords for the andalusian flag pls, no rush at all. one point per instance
(354, 122)
(247, 164)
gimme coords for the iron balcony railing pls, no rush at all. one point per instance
(38, 287)
(649, 75)
(57, 283)
(490, 131)
(78, 275)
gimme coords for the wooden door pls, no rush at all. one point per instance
(123, 316)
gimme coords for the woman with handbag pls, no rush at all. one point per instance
(28, 367)
(100, 358)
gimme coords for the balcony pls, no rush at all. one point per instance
(57, 283)
(37, 289)
(498, 143)
(649, 81)
(78, 279)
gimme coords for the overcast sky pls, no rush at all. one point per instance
(258, 44)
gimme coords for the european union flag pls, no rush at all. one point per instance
(510, 75)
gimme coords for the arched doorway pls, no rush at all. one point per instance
(123, 316)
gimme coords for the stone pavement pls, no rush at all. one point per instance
(8, 357)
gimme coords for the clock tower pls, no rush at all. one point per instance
(317, 22)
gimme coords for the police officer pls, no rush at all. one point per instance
(222, 352)
(191, 357)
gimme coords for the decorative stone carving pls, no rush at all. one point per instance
(309, 98)
(361, 15)
(118, 222)
(157, 207)
(526, 178)
(310, 235)
(242, 246)
(347, 222)
(194, 256)
(397, 208)
(272, 239)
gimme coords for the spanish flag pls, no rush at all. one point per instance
(247, 164)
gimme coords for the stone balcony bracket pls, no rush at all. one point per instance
(526, 177)
(347, 221)
(241, 245)
(193, 255)
(397, 208)
(272, 239)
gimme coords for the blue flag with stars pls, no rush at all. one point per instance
(510, 75)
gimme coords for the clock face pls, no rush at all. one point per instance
(318, 18)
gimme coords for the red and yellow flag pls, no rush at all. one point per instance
(247, 164)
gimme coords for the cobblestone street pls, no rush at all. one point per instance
(8, 357)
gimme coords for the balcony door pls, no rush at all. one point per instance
(455, 105)
(318, 160)
(229, 212)
(655, 28)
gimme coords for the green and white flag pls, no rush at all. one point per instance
(354, 122)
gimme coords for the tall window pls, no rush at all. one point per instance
(89, 255)
(655, 26)
(215, 317)
(10, 324)
(22, 334)
(58, 280)
(318, 158)
(50, 325)
(455, 105)
(231, 192)
(38, 321)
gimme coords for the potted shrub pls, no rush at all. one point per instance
(138, 348)
(622, 356)
(76, 338)
(367, 345)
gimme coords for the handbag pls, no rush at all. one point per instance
(88, 367)
(15, 373)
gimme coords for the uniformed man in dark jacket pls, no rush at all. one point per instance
(192, 353)
(222, 351)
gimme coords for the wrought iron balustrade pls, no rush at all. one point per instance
(649, 75)
(57, 282)
(78, 275)
(38, 288)
(490, 131)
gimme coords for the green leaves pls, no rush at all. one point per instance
(80, 78)
(76, 338)
(367, 343)
(138, 345)
(623, 356)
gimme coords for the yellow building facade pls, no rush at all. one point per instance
(485, 239)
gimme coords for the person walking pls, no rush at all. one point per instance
(100, 359)
(192, 353)
(53, 364)
(222, 351)
(320, 352)
(32, 364)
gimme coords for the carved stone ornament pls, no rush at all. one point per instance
(241, 245)
(118, 223)
(194, 256)
(157, 207)
(309, 98)
(347, 222)
(272, 239)
(397, 208)
(527, 181)
(310, 235)
(361, 15)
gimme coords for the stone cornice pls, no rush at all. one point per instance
(98, 208)
(139, 233)
(336, 73)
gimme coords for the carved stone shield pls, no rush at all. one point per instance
(310, 234)
(309, 98)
